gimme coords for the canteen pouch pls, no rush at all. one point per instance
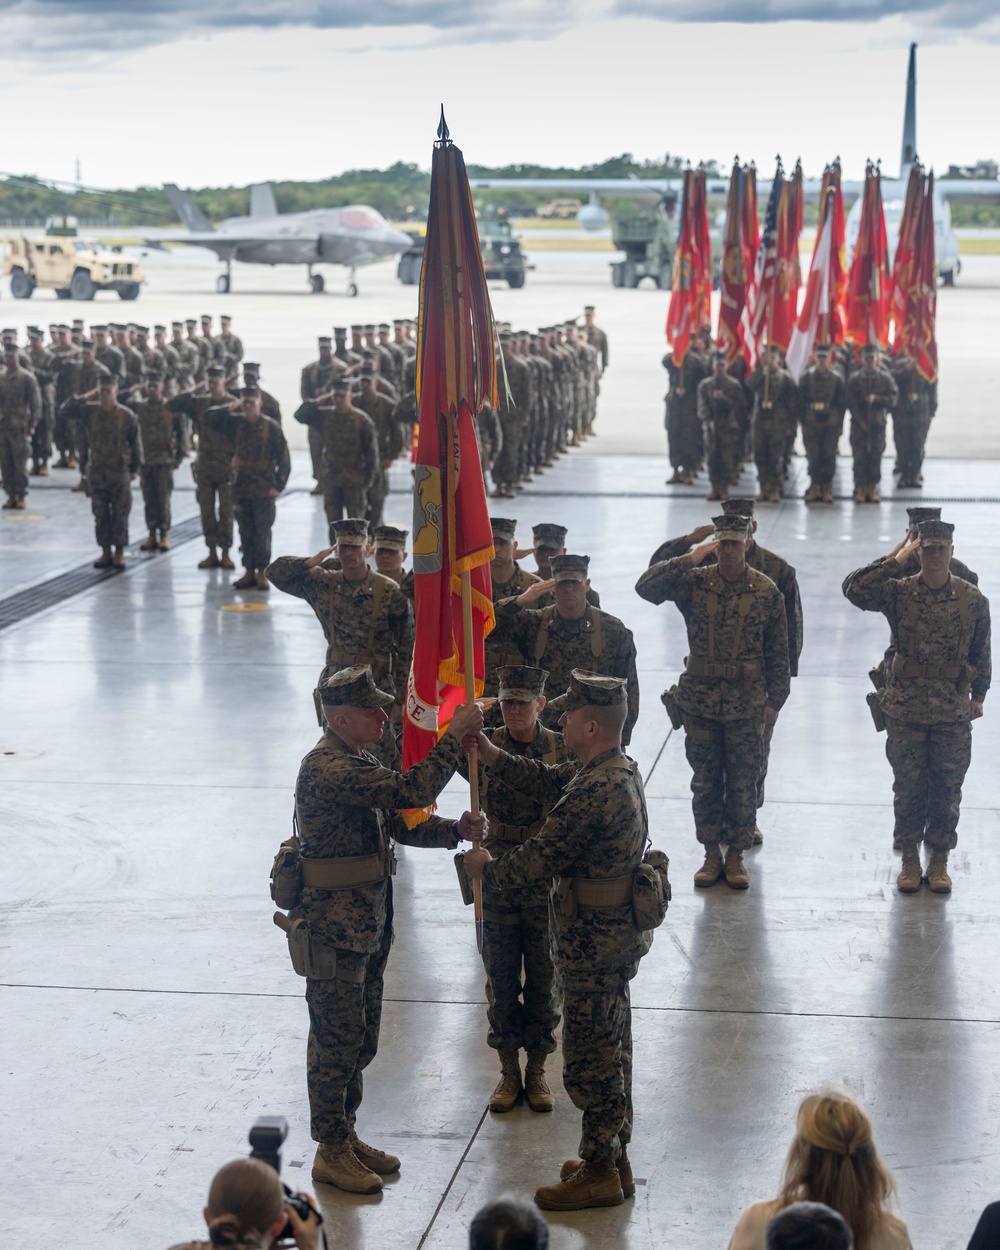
(309, 958)
(286, 876)
(877, 675)
(875, 707)
(669, 701)
(464, 880)
(651, 891)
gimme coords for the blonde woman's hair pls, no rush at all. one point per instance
(833, 1160)
(244, 1200)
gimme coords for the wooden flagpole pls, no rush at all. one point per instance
(470, 697)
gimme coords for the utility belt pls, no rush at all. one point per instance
(292, 872)
(347, 871)
(501, 832)
(336, 655)
(945, 672)
(735, 670)
(645, 891)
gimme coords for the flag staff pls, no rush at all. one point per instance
(470, 695)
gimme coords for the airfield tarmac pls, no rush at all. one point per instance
(151, 736)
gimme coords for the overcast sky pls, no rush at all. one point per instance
(229, 92)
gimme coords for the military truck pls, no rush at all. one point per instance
(649, 241)
(502, 255)
(74, 268)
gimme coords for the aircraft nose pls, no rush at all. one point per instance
(396, 240)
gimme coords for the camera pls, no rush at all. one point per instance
(267, 1134)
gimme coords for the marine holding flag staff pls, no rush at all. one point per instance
(338, 876)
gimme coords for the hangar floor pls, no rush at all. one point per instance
(149, 746)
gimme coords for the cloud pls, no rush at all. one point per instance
(89, 33)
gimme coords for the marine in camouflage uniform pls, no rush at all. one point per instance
(513, 420)
(508, 580)
(593, 839)
(351, 457)
(775, 414)
(822, 399)
(736, 679)
(908, 568)
(215, 422)
(381, 410)
(316, 380)
(365, 617)
(521, 989)
(571, 634)
(188, 357)
(43, 366)
(112, 455)
(261, 468)
(66, 353)
(269, 406)
(162, 433)
(721, 411)
(911, 418)
(781, 573)
(871, 393)
(20, 412)
(937, 682)
(347, 807)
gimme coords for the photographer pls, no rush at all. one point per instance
(247, 1210)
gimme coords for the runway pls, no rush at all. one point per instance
(150, 740)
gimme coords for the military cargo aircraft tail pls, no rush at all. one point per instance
(189, 213)
(909, 151)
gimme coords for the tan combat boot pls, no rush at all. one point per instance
(591, 1185)
(908, 881)
(262, 582)
(758, 837)
(873, 495)
(509, 1087)
(814, 493)
(828, 493)
(375, 1160)
(937, 873)
(624, 1172)
(536, 1087)
(118, 559)
(211, 561)
(737, 877)
(150, 543)
(860, 494)
(225, 562)
(247, 582)
(338, 1165)
(713, 867)
(105, 559)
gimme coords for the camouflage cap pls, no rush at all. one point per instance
(503, 528)
(190, 321)
(340, 332)
(869, 349)
(822, 349)
(78, 321)
(87, 344)
(251, 366)
(918, 514)
(391, 536)
(366, 373)
(153, 376)
(340, 386)
(547, 535)
(353, 532)
(505, 336)
(250, 392)
(738, 507)
(370, 329)
(357, 329)
(142, 330)
(35, 333)
(215, 371)
(570, 568)
(383, 327)
(159, 329)
(62, 327)
(205, 318)
(324, 340)
(225, 317)
(10, 347)
(177, 325)
(107, 381)
(936, 533)
(717, 354)
(593, 690)
(730, 528)
(98, 329)
(521, 682)
(354, 687)
(588, 308)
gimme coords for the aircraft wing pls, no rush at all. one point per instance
(222, 244)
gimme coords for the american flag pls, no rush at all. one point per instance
(753, 322)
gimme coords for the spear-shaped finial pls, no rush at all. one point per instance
(444, 134)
